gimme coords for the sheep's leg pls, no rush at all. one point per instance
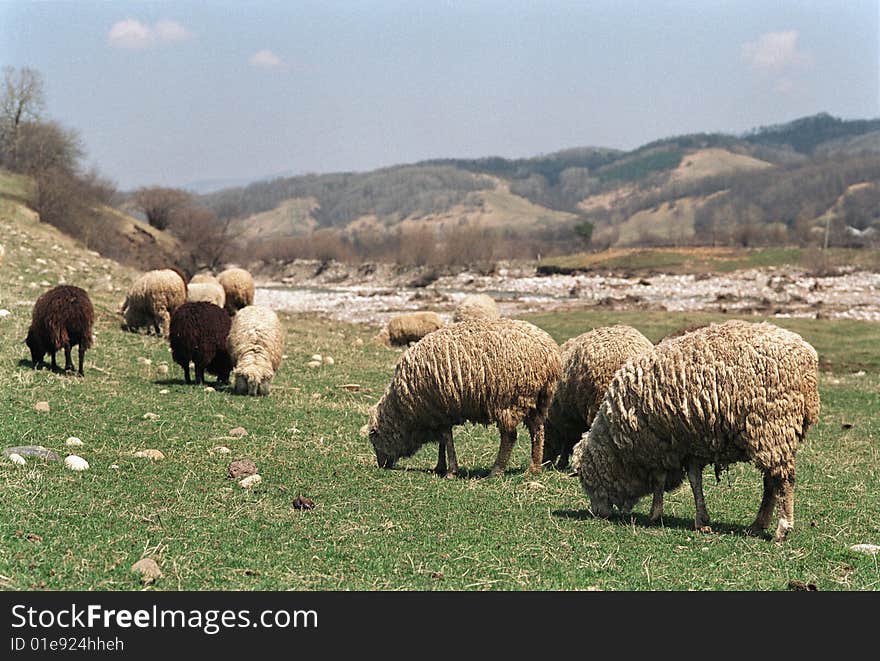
(68, 362)
(657, 503)
(440, 468)
(765, 511)
(82, 354)
(508, 438)
(200, 373)
(186, 374)
(54, 364)
(450, 453)
(536, 431)
(785, 507)
(695, 476)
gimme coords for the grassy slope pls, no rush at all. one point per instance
(372, 528)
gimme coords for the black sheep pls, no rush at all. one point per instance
(198, 333)
(62, 317)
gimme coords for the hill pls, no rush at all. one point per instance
(773, 185)
(106, 230)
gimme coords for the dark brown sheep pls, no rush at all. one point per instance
(62, 317)
(198, 333)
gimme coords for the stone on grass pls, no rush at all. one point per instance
(73, 442)
(162, 369)
(16, 458)
(328, 360)
(316, 357)
(241, 468)
(238, 432)
(250, 481)
(312, 364)
(303, 503)
(75, 463)
(149, 454)
(151, 416)
(220, 449)
(865, 548)
(42, 407)
(147, 569)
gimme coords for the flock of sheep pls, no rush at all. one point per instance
(632, 418)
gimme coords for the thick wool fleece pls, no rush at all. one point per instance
(589, 362)
(722, 394)
(239, 287)
(476, 306)
(502, 372)
(199, 333)
(61, 318)
(411, 327)
(256, 344)
(152, 299)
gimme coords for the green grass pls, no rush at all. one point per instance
(716, 260)
(375, 529)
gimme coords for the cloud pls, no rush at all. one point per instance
(774, 50)
(265, 59)
(133, 34)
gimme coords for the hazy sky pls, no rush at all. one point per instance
(172, 93)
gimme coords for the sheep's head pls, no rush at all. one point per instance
(35, 345)
(381, 441)
(253, 382)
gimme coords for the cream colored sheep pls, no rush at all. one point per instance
(239, 287)
(502, 372)
(589, 362)
(475, 306)
(209, 292)
(256, 343)
(410, 327)
(722, 394)
(152, 299)
(199, 278)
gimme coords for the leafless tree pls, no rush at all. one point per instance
(160, 204)
(23, 101)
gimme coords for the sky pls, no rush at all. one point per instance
(174, 93)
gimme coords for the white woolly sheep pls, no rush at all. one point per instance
(152, 299)
(239, 287)
(256, 344)
(722, 394)
(208, 292)
(199, 278)
(502, 371)
(475, 306)
(410, 327)
(589, 362)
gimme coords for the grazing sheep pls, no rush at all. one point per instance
(199, 278)
(722, 394)
(502, 371)
(411, 327)
(256, 342)
(239, 287)
(152, 299)
(210, 292)
(589, 362)
(475, 306)
(62, 317)
(199, 333)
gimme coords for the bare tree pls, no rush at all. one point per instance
(23, 101)
(160, 204)
(208, 239)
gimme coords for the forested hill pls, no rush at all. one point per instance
(767, 185)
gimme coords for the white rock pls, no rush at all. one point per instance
(16, 458)
(328, 360)
(858, 548)
(164, 391)
(114, 466)
(150, 416)
(73, 442)
(313, 364)
(162, 369)
(220, 449)
(144, 361)
(250, 481)
(4, 313)
(317, 357)
(75, 463)
(210, 389)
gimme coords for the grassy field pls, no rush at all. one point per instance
(372, 529)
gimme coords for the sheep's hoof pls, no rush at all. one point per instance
(704, 529)
(451, 475)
